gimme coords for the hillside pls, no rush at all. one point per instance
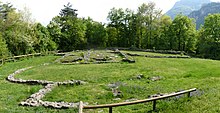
(185, 7)
(200, 14)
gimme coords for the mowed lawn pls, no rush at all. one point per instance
(175, 74)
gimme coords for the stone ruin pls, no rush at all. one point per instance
(155, 56)
(94, 57)
(36, 98)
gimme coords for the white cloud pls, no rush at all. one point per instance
(44, 10)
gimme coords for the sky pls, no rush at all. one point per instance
(44, 10)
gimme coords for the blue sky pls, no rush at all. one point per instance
(44, 10)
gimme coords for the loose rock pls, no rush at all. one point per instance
(155, 78)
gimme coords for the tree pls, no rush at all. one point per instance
(132, 30)
(3, 48)
(148, 17)
(68, 11)
(115, 16)
(182, 34)
(209, 41)
(17, 34)
(121, 20)
(112, 36)
(162, 41)
(26, 16)
(96, 34)
(5, 9)
(55, 32)
(70, 29)
(44, 41)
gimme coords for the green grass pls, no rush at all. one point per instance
(177, 74)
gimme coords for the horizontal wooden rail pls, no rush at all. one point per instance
(8, 59)
(21, 56)
(110, 106)
(13, 58)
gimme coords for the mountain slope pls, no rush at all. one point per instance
(200, 15)
(185, 7)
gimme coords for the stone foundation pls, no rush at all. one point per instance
(36, 98)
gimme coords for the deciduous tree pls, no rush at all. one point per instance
(209, 37)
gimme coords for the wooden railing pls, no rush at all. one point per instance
(14, 58)
(8, 59)
(154, 99)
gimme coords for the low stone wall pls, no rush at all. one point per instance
(97, 62)
(35, 99)
(167, 56)
(148, 50)
(125, 57)
(154, 56)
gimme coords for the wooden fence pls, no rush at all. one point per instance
(14, 58)
(154, 99)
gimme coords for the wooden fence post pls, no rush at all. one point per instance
(110, 109)
(188, 94)
(80, 107)
(154, 105)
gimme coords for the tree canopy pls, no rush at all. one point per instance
(209, 41)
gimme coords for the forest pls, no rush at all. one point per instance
(146, 28)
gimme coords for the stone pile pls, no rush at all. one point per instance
(11, 76)
(35, 99)
(70, 82)
(59, 105)
(156, 95)
(115, 85)
(140, 76)
(87, 56)
(126, 58)
(155, 78)
(117, 93)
